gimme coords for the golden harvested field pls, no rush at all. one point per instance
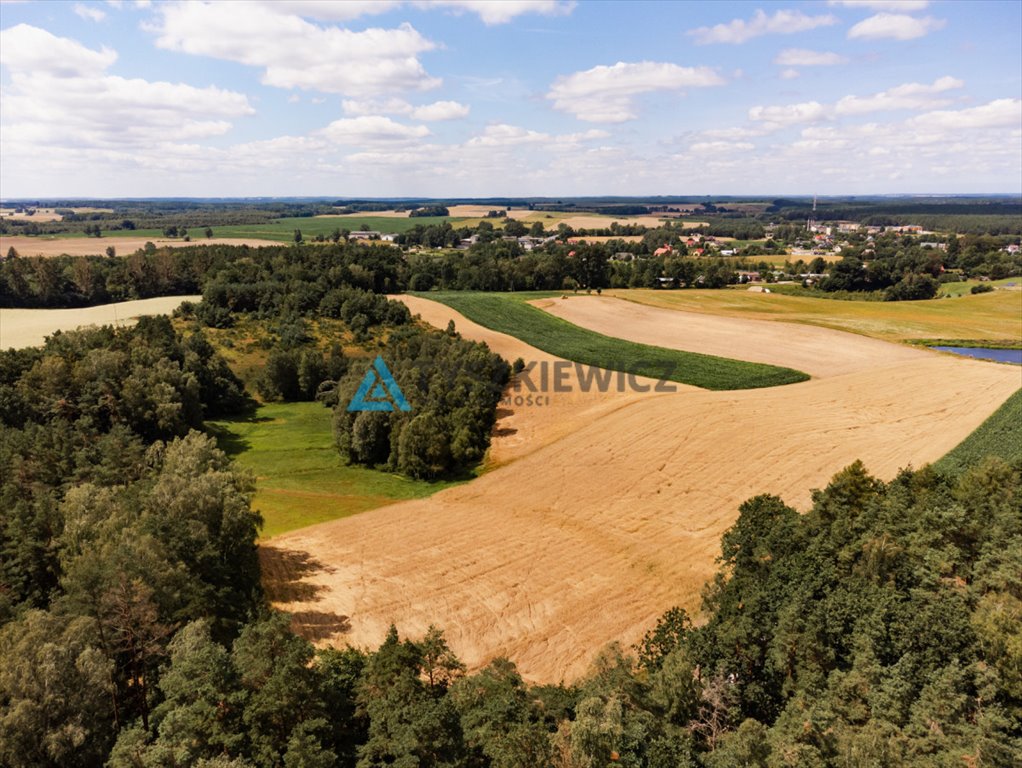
(605, 239)
(817, 351)
(96, 246)
(587, 220)
(30, 327)
(606, 510)
(364, 214)
(480, 211)
(996, 315)
(47, 214)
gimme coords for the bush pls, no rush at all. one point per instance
(912, 287)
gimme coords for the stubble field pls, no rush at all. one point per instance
(605, 509)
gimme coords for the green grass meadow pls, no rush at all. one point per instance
(510, 314)
(300, 478)
(283, 230)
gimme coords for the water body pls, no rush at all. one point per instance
(986, 353)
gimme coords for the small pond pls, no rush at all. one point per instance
(985, 353)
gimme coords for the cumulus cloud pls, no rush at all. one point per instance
(1000, 113)
(374, 129)
(907, 96)
(335, 10)
(790, 114)
(915, 96)
(782, 22)
(718, 147)
(295, 53)
(440, 110)
(605, 94)
(895, 26)
(905, 6)
(393, 106)
(25, 48)
(61, 95)
(493, 12)
(734, 134)
(800, 57)
(88, 12)
(503, 135)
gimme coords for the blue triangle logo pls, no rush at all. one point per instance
(378, 391)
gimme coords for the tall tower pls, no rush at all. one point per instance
(811, 223)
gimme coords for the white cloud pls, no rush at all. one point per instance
(295, 53)
(502, 11)
(733, 134)
(605, 94)
(491, 12)
(503, 135)
(790, 114)
(392, 106)
(789, 74)
(61, 96)
(783, 22)
(26, 48)
(440, 110)
(371, 130)
(907, 96)
(896, 26)
(905, 6)
(334, 10)
(719, 147)
(800, 57)
(1000, 113)
(89, 12)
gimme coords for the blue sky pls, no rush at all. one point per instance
(509, 97)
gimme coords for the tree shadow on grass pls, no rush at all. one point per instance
(227, 441)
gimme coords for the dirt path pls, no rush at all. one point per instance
(602, 523)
